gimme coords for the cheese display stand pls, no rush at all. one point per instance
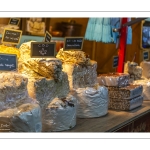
(47, 90)
(65, 94)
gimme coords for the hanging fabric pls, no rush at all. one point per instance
(101, 30)
(98, 31)
(90, 29)
(106, 34)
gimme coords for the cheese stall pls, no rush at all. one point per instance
(75, 81)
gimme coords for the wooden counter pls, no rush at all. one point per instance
(115, 121)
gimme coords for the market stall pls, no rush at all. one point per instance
(51, 88)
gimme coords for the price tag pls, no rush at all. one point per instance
(73, 43)
(47, 37)
(14, 21)
(43, 49)
(11, 36)
(8, 62)
(115, 61)
(146, 55)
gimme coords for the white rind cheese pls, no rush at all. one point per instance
(146, 87)
(44, 89)
(25, 118)
(13, 90)
(92, 102)
(133, 69)
(146, 69)
(81, 76)
(60, 114)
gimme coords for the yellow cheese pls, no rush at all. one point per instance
(9, 50)
(73, 57)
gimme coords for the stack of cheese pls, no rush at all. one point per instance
(145, 80)
(82, 75)
(46, 78)
(81, 70)
(18, 112)
(50, 86)
(122, 96)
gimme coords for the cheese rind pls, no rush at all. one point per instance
(60, 114)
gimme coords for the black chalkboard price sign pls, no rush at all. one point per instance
(47, 37)
(73, 43)
(146, 55)
(43, 49)
(11, 36)
(115, 61)
(14, 21)
(8, 62)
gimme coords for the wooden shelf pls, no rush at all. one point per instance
(111, 122)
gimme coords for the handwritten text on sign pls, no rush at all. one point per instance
(146, 55)
(74, 43)
(115, 61)
(8, 62)
(43, 49)
(47, 37)
(11, 36)
(14, 21)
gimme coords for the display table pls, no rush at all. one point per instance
(136, 120)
